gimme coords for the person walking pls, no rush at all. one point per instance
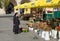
(16, 23)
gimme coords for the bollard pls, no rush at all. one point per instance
(35, 31)
(31, 29)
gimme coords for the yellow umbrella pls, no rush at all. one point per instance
(37, 3)
(56, 2)
(21, 6)
(32, 5)
(25, 5)
(29, 5)
(15, 7)
(53, 3)
(41, 4)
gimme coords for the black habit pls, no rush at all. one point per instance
(16, 23)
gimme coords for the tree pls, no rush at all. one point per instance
(0, 4)
(4, 4)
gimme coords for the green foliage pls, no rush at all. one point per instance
(5, 3)
(0, 4)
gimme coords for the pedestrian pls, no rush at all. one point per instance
(16, 23)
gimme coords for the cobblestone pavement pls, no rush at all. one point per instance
(6, 33)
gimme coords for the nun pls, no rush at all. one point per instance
(16, 23)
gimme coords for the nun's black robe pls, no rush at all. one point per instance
(16, 23)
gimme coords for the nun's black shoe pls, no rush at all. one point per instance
(16, 33)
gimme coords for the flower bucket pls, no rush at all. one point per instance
(55, 34)
(31, 29)
(47, 35)
(35, 31)
(43, 33)
(25, 30)
(40, 33)
(59, 34)
(52, 34)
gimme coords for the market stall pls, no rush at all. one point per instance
(42, 25)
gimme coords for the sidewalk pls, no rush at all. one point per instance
(7, 15)
(6, 33)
